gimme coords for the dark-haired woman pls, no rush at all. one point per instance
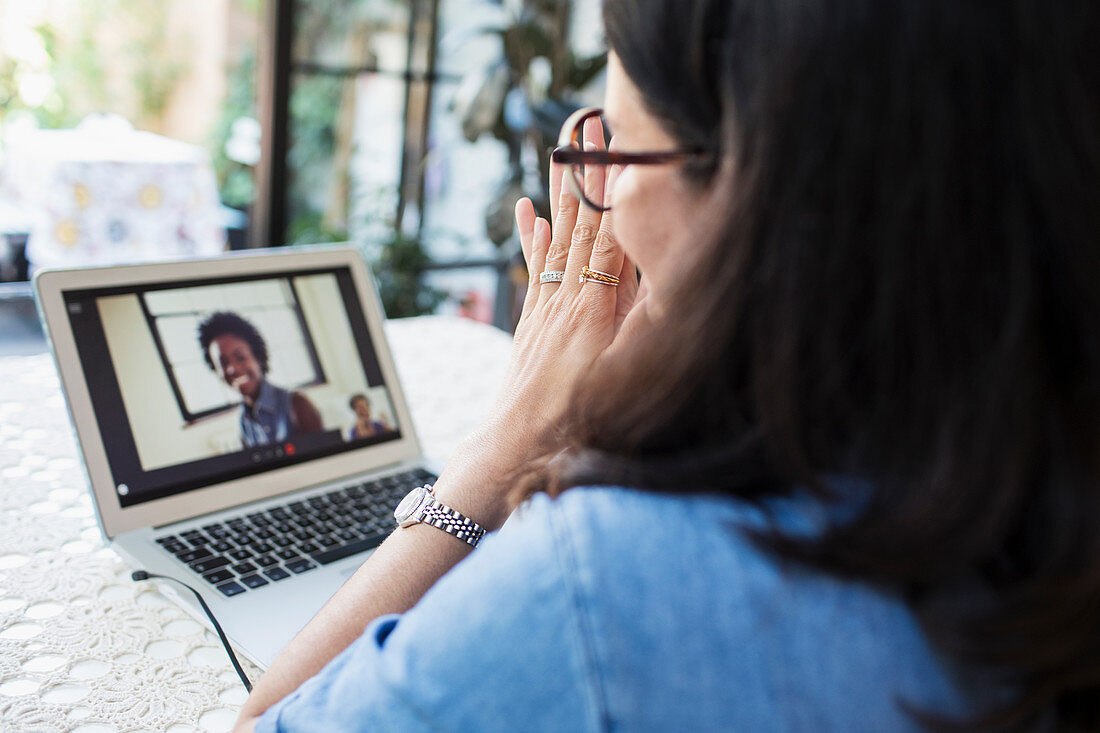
(236, 351)
(833, 464)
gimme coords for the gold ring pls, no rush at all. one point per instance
(551, 276)
(595, 276)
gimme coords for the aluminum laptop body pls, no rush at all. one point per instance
(186, 469)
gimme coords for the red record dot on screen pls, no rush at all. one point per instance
(290, 449)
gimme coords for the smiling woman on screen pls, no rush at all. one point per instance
(830, 463)
(234, 348)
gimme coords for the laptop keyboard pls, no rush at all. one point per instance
(257, 548)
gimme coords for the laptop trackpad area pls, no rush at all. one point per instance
(261, 624)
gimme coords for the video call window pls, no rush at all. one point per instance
(271, 305)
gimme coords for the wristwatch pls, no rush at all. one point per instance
(420, 505)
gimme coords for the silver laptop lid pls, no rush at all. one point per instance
(199, 385)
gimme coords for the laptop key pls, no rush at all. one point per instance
(221, 546)
(266, 561)
(377, 525)
(176, 547)
(282, 541)
(231, 588)
(352, 548)
(240, 554)
(301, 565)
(309, 547)
(218, 576)
(198, 540)
(263, 547)
(210, 563)
(327, 541)
(288, 554)
(276, 573)
(193, 555)
(167, 539)
(253, 581)
(244, 568)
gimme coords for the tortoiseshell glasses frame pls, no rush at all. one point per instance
(570, 151)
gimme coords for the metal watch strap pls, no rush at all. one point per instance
(438, 514)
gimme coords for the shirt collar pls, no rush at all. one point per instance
(267, 401)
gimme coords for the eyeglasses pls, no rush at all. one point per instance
(587, 125)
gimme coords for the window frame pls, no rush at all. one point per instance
(190, 418)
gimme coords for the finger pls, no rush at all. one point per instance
(627, 292)
(588, 222)
(558, 253)
(557, 170)
(593, 130)
(606, 255)
(525, 226)
(540, 241)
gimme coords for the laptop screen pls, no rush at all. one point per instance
(204, 381)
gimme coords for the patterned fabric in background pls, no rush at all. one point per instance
(105, 193)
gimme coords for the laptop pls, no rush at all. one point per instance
(241, 423)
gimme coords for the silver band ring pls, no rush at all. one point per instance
(551, 276)
(595, 276)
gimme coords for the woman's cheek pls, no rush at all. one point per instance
(630, 220)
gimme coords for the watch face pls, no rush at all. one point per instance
(409, 504)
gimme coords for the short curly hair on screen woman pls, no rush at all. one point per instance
(833, 461)
(234, 349)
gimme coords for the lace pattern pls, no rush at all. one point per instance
(84, 648)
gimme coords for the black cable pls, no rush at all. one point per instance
(145, 575)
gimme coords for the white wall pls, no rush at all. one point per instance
(162, 436)
(323, 309)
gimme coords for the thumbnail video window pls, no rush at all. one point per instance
(216, 369)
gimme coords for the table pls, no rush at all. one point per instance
(84, 648)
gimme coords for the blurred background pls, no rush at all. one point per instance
(148, 129)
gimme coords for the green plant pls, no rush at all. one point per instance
(160, 67)
(314, 105)
(236, 185)
(63, 74)
(523, 98)
(398, 270)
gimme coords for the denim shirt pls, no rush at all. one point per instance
(268, 421)
(613, 609)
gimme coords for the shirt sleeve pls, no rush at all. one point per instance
(494, 645)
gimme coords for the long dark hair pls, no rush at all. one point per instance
(906, 290)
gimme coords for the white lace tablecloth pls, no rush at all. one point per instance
(84, 648)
